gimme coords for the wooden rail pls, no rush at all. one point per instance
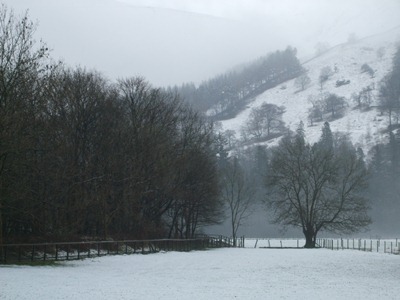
(79, 250)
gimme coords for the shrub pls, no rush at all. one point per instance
(342, 82)
(365, 68)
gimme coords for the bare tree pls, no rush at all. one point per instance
(230, 136)
(303, 81)
(22, 64)
(263, 120)
(364, 98)
(389, 95)
(325, 74)
(318, 187)
(333, 104)
(238, 193)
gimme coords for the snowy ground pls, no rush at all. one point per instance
(215, 274)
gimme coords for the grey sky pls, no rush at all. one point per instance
(176, 41)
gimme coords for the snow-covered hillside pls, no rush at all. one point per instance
(365, 127)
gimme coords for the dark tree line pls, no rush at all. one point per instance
(82, 156)
(228, 93)
(389, 92)
(385, 158)
(385, 188)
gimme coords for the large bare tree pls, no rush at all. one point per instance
(318, 187)
(238, 193)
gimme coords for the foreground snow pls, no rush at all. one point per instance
(215, 274)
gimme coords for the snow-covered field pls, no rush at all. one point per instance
(250, 273)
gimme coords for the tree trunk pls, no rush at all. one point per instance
(1, 227)
(310, 236)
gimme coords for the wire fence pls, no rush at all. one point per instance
(391, 246)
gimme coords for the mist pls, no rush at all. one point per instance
(176, 41)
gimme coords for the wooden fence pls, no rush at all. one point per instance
(273, 243)
(79, 250)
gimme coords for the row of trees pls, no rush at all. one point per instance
(228, 93)
(389, 91)
(80, 156)
(384, 188)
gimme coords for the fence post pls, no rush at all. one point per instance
(33, 252)
(44, 253)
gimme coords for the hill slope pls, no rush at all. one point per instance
(365, 127)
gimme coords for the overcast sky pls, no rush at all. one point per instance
(175, 41)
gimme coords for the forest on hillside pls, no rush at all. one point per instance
(223, 96)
